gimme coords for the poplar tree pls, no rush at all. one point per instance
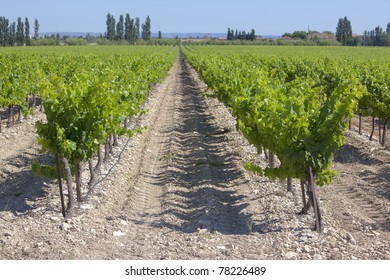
(252, 36)
(27, 32)
(229, 35)
(12, 34)
(119, 28)
(344, 31)
(36, 29)
(20, 32)
(108, 24)
(4, 31)
(146, 33)
(110, 35)
(133, 32)
(137, 28)
(128, 27)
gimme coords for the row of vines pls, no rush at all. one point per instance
(88, 100)
(296, 108)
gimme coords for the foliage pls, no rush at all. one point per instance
(126, 30)
(295, 107)
(86, 96)
(377, 37)
(146, 29)
(241, 35)
(344, 32)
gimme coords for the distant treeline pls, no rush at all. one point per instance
(241, 35)
(127, 29)
(17, 33)
(377, 37)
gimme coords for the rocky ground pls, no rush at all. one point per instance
(179, 191)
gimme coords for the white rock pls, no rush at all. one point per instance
(306, 249)
(350, 238)
(87, 206)
(65, 226)
(291, 255)
(230, 246)
(302, 239)
(317, 257)
(55, 219)
(7, 216)
(118, 233)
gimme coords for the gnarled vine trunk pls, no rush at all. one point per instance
(63, 210)
(69, 184)
(98, 166)
(312, 201)
(385, 123)
(79, 172)
(372, 128)
(290, 185)
(92, 180)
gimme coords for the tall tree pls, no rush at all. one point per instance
(379, 36)
(20, 32)
(4, 31)
(120, 28)
(137, 28)
(159, 35)
(252, 35)
(36, 29)
(146, 27)
(344, 31)
(27, 32)
(229, 35)
(133, 32)
(110, 27)
(128, 27)
(12, 34)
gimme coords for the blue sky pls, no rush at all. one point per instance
(273, 17)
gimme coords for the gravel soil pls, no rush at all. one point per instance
(179, 191)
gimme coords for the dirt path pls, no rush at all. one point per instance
(179, 191)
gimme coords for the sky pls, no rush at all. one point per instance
(273, 17)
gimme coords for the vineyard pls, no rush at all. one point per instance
(225, 153)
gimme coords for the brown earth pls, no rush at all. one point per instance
(179, 191)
